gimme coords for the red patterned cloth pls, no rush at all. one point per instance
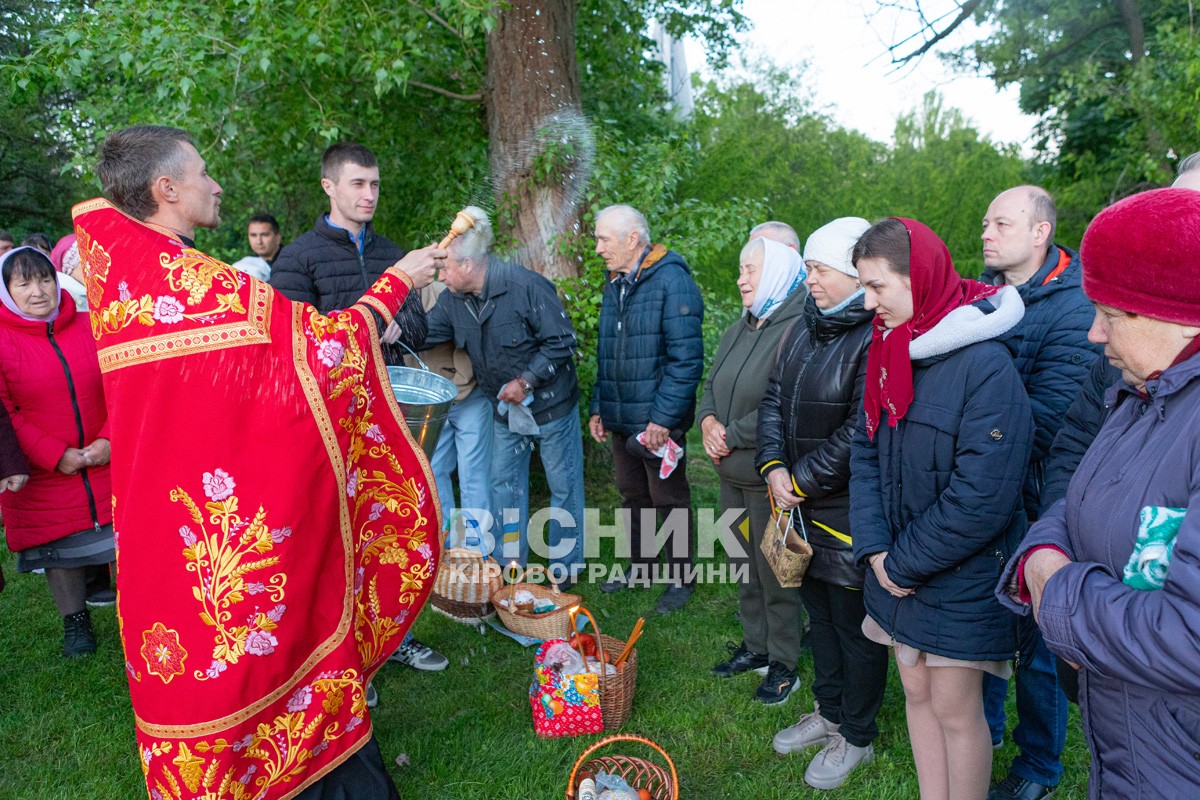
(277, 532)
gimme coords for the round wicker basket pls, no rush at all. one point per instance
(641, 773)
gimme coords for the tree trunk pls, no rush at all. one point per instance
(539, 145)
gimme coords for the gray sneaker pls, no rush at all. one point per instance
(372, 696)
(419, 656)
(812, 729)
(834, 764)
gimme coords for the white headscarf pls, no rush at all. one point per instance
(7, 299)
(782, 273)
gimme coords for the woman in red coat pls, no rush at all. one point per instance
(50, 385)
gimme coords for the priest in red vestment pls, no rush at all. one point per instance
(277, 528)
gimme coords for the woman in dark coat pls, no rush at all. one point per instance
(61, 522)
(772, 285)
(1112, 572)
(805, 425)
(936, 469)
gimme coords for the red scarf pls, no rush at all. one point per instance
(277, 528)
(936, 291)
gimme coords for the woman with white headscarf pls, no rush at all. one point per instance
(772, 288)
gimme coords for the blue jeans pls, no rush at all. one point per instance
(466, 446)
(561, 444)
(1042, 709)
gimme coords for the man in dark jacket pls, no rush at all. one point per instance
(650, 358)
(332, 265)
(1053, 356)
(512, 325)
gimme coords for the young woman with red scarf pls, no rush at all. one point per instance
(936, 471)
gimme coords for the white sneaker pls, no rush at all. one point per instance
(419, 656)
(834, 764)
(811, 729)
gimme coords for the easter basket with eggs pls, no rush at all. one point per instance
(534, 609)
(585, 684)
(647, 778)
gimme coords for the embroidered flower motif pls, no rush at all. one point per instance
(215, 669)
(301, 699)
(260, 643)
(168, 309)
(353, 723)
(425, 550)
(320, 748)
(155, 794)
(163, 653)
(218, 485)
(245, 779)
(256, 588)
(374, 433)
(352, 483)
(276, 613)
(189, 538)
(330, 352)
(244, 742)
(123, 291)
(279, 534)
(377, 510)
(146, 756)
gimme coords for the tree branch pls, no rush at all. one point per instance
(965, 10)
(469, 98)
(433, 15)
(1134, 27)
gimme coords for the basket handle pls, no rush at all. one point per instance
(622, 737)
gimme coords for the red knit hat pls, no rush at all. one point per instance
(1142, 255)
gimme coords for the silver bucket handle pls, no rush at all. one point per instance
(414, 355)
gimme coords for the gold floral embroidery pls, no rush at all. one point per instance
(225, 559)
(195, 272)
(163, 653)
(277, 752)
(96, 262)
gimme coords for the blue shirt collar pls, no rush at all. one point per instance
(359, 239)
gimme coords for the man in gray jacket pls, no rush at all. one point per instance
(513, 327)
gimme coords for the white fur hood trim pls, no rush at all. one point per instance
(968, 324)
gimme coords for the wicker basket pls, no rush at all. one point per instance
(464, 587)
(640, 773)
(616, 691)
(554, 624)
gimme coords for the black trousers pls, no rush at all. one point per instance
(362, 776)
(641, 488)
(849, 670)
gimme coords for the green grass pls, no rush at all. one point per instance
(66, 728)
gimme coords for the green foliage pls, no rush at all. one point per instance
(1116, 94)
(764, 136)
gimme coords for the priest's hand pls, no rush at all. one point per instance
(422, 265)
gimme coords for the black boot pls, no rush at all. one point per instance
(78, 639)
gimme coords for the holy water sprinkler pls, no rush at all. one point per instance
(463, 222)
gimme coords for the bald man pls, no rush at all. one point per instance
(1053, 356)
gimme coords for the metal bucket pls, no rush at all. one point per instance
(425, 398)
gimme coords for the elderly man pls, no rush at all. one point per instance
(272, 552)
(522, 349)
(650, 358)
(778, 232)
(1053, 357)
